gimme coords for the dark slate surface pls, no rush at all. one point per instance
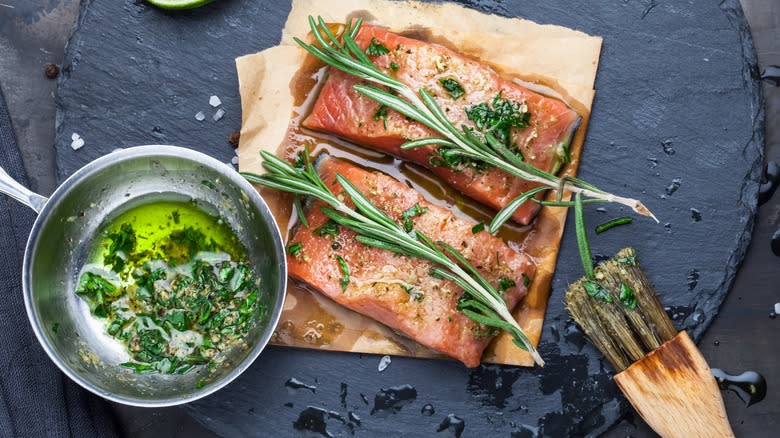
(678, 116)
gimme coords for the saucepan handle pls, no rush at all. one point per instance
(12, 188)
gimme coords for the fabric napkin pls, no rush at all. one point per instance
(36, 399)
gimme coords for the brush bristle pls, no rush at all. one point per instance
(622, 333)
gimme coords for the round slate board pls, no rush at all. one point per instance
(678, 116)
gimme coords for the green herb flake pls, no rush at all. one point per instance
(453, 87)
(55, 326)
(201, 383)
(417, 296)
(410, 213)
(526, 280)
(613, 223)
(138, 368)
(448, 157)
(477, 228)
(627, 297)
(300, 163)
(122, 243)
(295, 249)
(563, 153)
(98, 291)
(631, 260)
(187, 243)
(344, 272)
(505, 283)
(116, 325)
(394, 66)
(208, 184)
(376, 48)
(329, 228)
(498, 120)
(436, 161)
(176, 216)
(381, 113)
(597, 291)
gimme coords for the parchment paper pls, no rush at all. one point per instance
(562, 61)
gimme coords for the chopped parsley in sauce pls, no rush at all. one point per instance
(174, 286)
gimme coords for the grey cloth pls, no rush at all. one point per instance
(36, 399)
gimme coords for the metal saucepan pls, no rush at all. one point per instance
(58, 246)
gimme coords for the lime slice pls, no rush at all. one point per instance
(179, 4)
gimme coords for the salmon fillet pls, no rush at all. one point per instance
(397, 290)
(342, 111)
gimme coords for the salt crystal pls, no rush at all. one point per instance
(777, 308)
(234, 160)
(218, 115)
(214, 101)
(75, 137)
(384, 362)
(200, 116)
(77, 143)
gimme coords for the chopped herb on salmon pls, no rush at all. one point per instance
(376, 48)
(453, 87)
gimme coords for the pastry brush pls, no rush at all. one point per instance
(660, 371)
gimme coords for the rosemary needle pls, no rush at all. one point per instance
(613, 223)
(480, 301)
(582, 237)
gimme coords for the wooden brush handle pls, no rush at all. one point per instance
(674, 390)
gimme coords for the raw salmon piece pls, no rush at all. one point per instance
(342, 111)
(397, 290)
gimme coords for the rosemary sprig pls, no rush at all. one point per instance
(421, 106)
(480, 301)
